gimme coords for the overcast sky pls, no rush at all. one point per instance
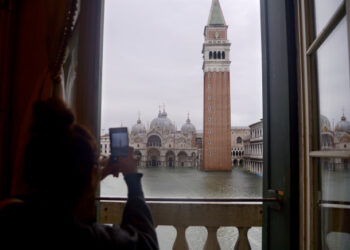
(152, 56)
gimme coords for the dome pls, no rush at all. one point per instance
(343, 125)
(138, 128)
(188, 127)
(163, 123)
(325, 125)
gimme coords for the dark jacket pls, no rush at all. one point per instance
(32, 225)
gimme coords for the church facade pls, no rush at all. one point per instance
(161, 145)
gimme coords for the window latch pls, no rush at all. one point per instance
(275, 198)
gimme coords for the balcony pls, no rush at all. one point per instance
(181, 214)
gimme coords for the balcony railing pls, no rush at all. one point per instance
(182, 213)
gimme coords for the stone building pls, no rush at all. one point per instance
(237, 147)
(162, 145)
(217, 107)
(337, 138)
(253, 149)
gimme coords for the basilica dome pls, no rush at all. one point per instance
(188, 127)
(138, 128)
(343, 125)
(162, 123)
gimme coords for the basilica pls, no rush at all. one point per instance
(334, 138)
(162, 145)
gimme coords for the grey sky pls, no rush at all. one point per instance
(152, 55)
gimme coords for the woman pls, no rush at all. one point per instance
(63, 172)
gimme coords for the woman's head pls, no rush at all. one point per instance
(61, 155)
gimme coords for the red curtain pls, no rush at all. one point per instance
(38, 32)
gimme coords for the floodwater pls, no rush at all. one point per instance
(193, 183)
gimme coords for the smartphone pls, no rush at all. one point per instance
(119, 141)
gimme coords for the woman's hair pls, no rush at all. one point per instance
(60, 154)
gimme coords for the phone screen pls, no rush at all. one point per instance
(119, 142)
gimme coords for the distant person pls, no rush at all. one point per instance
(62, 171)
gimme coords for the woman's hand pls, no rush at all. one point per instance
(125, 165)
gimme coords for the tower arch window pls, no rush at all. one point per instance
(210, 54)
(223, 55)
(219, 55)
(214, 54)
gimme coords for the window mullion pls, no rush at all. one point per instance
(326, 31)
(330, 154)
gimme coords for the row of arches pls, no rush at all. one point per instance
(217, 55)
(237, 153)
(238, 162)
(154, 159)
(255, 149)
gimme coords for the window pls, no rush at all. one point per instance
(154, 141)
(326, 58)
(239, 140)
(154, 152)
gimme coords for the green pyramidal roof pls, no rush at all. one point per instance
(216, 17)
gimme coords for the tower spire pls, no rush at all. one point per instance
(216, 16)
(138, 118)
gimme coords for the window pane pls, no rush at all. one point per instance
(334, 90)
(335, 179)
(335, 186)
(324, 10)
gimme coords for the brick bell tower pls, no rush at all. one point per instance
(217, 106)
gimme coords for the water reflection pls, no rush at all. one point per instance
(189, 183)
(192, 183)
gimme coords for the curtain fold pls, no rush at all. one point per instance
(43, 31)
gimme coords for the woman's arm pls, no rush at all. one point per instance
(137, 219)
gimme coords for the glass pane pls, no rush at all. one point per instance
(335, 179)
(324, 10)
(334, 90)
(334, 205)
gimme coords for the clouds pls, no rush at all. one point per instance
(152, 55)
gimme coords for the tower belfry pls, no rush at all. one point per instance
(217, 105)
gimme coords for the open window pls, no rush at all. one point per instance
(163, 87)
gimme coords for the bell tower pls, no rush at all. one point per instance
(217, 105)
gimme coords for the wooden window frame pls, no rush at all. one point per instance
(309, 230)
